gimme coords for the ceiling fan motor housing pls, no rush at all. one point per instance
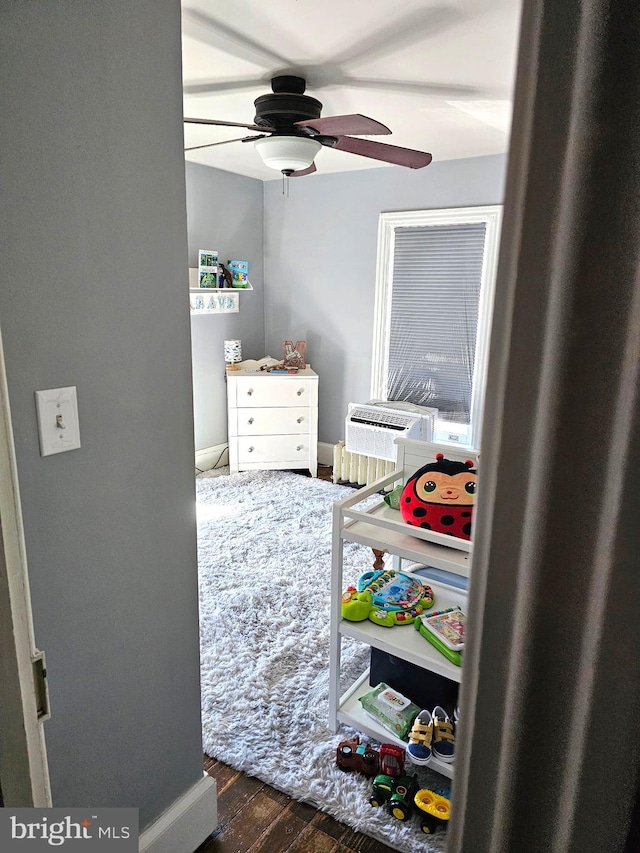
(286, 105)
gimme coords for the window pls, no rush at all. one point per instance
(434, 300)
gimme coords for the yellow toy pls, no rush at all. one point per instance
(434, 810)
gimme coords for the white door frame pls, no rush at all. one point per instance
(24, 772)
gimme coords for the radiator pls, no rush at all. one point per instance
(356, 467)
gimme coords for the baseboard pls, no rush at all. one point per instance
(186, 823)
(325, 453)
(212, 457)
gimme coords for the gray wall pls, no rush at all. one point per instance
(93, 244)
(224, 212)
(320, 262)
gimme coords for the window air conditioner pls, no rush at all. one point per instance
(371, 428)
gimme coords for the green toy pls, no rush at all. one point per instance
(392, 498)
(386, 597)
(453, 656)
(397, 793)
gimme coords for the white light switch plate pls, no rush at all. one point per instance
(58, 425)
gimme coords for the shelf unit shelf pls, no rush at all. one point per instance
(405, 642)
(387, 518)
(351, 713)
(220, 289)
(406, 546)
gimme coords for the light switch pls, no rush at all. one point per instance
(58, 425)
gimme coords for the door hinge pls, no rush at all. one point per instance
(41, 688)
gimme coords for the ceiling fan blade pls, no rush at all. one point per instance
(400, 34)
(225, 141)
(381, 151)
(308, 171)
(349, 125)
(216, 122)
(217, 33)
(209, 87)
(413, 86)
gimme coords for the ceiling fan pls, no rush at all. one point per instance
(292, 132)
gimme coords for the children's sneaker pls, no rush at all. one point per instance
(419, 748)
(443, 737)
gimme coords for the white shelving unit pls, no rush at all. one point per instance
(382, 528)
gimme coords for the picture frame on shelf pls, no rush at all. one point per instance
(208, 260)
(294, 355)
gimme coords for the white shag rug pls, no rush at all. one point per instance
(264, 542)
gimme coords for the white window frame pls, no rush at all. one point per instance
(491, 215)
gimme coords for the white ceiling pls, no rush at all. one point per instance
(439, 74)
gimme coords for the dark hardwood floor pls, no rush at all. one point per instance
(325, 472)
(255, 818)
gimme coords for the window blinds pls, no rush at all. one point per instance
(437, 275)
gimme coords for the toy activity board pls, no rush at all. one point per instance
(449, 625)
(445, 630)
(386, 597)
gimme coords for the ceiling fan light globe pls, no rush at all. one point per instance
(287, 153)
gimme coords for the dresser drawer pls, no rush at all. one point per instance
(273, 448)
(272, 391)
(270, 421)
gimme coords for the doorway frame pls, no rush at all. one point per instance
(24, 770)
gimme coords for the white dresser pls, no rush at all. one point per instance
(273, 419)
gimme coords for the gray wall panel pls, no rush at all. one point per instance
(320, 262)
(224, 212)
(93, 246)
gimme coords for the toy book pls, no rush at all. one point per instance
(208, 279)
(448, 625)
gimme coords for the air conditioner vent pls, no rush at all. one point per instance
(371, 430)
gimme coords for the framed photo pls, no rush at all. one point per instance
(208, 278)
(294, 354)
(208, 260)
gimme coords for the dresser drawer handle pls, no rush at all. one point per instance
(300, 420)
(249, 392)
(300, 447)
(300, 392)
(250, 449)
(250, 421)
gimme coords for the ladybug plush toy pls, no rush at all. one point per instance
(440, 496)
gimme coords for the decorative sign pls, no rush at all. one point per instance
(294, 354)
(220, 302)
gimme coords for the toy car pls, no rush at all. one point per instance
(383, 786)
(391, 759)
(396, 792)
(434, 810)
(353, 755)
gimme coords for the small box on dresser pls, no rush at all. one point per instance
(272, 419)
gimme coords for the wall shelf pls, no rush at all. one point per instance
(220, 289)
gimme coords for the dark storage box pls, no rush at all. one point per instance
(426, 689)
